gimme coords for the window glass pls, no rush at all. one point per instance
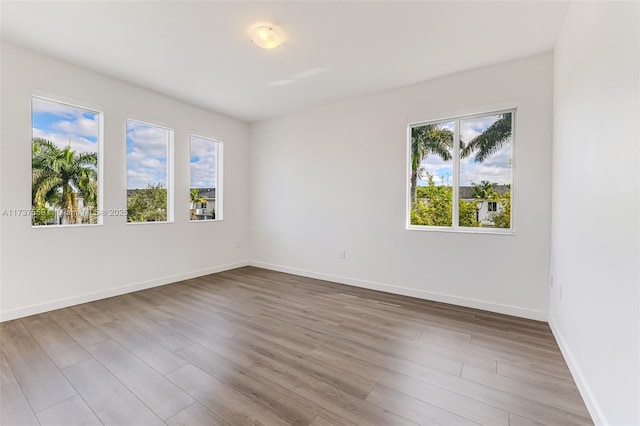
(485, 171)
(432, 174)
(147, 172)
(466, 188)
(64, 164)
(204, 191)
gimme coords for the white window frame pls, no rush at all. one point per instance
(219, 176)
(456, 117)
(91, 107)
(170, 168)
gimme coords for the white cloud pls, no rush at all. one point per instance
(203, 171)
(151, 140)
(152, 163)
(80, 126)
(149, 170)
(78, 143)
(472, 127)
(202, 176)
(139, 178)
(496, 169)
(146, 154)
(39, 105)
(65, 125)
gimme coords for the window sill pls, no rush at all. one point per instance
(69, 225)
(151, 223)
(485, 231)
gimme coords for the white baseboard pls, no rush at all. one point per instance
(590, 401)
(420, 294)
(90, 297)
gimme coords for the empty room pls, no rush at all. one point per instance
(320, 213)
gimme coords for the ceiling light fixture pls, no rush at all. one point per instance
(266, 37)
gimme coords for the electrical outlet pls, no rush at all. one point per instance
(342, 254)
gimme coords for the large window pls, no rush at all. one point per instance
(65, 149)
(148, 167)
(205, 189)
(466, 184)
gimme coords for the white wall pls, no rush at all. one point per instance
(42, 269)
(595, 233)
(335, 177)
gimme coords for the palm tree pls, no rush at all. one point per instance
(425, 140)
(484, 191)
(60, 174)
(485, 145)
(433, 139)
(491, 140)
(196, 199)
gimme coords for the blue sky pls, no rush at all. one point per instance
(147, 151)
(495, 169)
(203, 171)
(64, 124)
(147, 145)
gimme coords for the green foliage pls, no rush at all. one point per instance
(470, 210)
(434, 207)
(502, 218)
(148, 204)
(425, 140)
(422, 192)
(420, 214)
(484, 190)
(195, 196)
(491, 140)
(59, 175)
(41, 215)
(468, 215)
(430, 139)
(437, 209)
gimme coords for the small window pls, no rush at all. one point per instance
(205, 170)
(468, 186)
(65, 149)
(148, 189)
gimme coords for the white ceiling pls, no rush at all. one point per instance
(199, 51)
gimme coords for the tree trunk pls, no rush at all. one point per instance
(66, 204)
(414, 183)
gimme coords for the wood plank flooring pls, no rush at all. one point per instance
(257, 347)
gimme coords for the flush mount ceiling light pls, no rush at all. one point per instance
(266, 37)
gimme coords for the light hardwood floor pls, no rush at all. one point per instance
(253, 347)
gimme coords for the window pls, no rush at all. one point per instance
(65, 149)
(148, 166)
(205, 189)
(466, 187)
